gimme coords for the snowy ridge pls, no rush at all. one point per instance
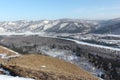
(4, 56)
(10, 50)
(60, 25)
(13, 56)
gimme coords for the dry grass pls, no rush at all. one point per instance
(49, 64)
(4, 50)
(45, 64)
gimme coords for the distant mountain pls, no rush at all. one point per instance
(109, 27)
(59, 26)
(63, 26)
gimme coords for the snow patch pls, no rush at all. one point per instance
(6, 77)
(69, 56)
(10, 50)
(45, 21)
(2, 55)
(43, 66)
(4, 71)
(2, 30)
(63, 25)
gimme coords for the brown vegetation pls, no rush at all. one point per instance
(4, 50)
(46, 68)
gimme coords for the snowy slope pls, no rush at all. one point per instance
(60, 25)
(109, 27)
(6, 77)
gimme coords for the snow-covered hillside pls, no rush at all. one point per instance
(60, 25)
(109, 27)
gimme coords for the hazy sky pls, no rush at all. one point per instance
(55, 9)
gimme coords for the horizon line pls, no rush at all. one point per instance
(57, 19)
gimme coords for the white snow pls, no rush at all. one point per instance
(4, 71)
(69, 56)
(6, 77)
(2, 30)
(50, 25)
(43, 66)
(34, 26)
(2, 55)
(27, 33)
(46, 21)
(63, 25)
(2, 40)
(94, 45)
(10, 50)
(13, 56)
(61, 54)
(11, 23)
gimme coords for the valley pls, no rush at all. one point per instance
(79, 53)
(89, 45)
(60, 40)
(39, 67)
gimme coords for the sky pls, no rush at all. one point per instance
(58, 9)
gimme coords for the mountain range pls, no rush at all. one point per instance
(62, 26)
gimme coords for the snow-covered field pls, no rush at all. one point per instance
(61, 54)
(26, 33)
(6, 77)
(92, 45)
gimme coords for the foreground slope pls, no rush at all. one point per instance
(40, 67)
(46, 68)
